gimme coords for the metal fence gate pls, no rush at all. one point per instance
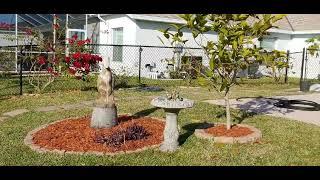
(304, 65)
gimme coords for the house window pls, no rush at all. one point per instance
(117, 40)
(268, 43)
(81, 34)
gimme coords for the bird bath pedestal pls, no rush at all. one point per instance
(172, 108)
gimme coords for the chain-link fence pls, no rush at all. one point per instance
(305, 65)
(151, 65)
(18, 76)
(132, 65)
(135, 65)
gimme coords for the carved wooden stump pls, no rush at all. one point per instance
(104, 113)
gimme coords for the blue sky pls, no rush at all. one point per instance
(7, 18)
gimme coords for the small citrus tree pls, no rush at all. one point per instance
(232, 52)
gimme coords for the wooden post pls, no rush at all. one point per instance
(140, 51)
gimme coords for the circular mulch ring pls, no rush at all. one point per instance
(237, 134)
(75, 136)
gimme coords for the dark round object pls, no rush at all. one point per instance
(305, 86)
(298, 105)
(150, 88)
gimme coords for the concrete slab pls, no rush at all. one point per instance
(15, 112)
(2, 118)
(71, 106)
(88, 103)
(266, 106)
(47, 109)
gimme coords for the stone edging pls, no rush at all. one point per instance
(250, 138)
(29, 142)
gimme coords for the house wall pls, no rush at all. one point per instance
(298, 42)
(139, 32)
(312, 63)
(93, 32)
(130, 54)
(148, 34)
(282, 41)
(295, 44)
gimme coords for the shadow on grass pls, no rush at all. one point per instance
(190, 128)
(91, 88)
(239, 116)
(2, 98)
(283, 105)
(145, 112)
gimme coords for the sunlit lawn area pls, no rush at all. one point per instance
(284, 142)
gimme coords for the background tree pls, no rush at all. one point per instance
(52, 61)
(314, 45)
(40, 55)
(276, 62)
(232, 52)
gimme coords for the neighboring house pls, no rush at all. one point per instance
(143, 29)
(140, 29)
(292, 34)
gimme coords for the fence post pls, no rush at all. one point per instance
(302, 67)
(20, 76)
(140, 51)
(286, 73)
(305, 64)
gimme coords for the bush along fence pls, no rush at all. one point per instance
(135, 65)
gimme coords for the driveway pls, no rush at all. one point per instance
(304, 107)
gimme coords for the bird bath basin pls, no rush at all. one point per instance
(172, 109)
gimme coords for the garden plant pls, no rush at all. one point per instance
(234, 49)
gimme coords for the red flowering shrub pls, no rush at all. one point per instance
(53, 60)
(42, 60)
(43, 67)
(80, 61)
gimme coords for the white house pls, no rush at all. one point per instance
(143, 29)
(140, 30)
(292, 34)
(137, 30)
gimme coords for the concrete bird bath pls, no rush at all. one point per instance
(172, 108)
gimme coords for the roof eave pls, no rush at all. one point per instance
(155, 19)
(281, 31)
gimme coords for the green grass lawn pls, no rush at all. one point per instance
(69, 90)
(10, 86)
(284, 142)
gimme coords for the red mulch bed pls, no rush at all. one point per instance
(234, 131)
(77, 135)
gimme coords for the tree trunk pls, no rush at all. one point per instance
(226, 99)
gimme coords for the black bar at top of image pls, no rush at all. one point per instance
(161, 6)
